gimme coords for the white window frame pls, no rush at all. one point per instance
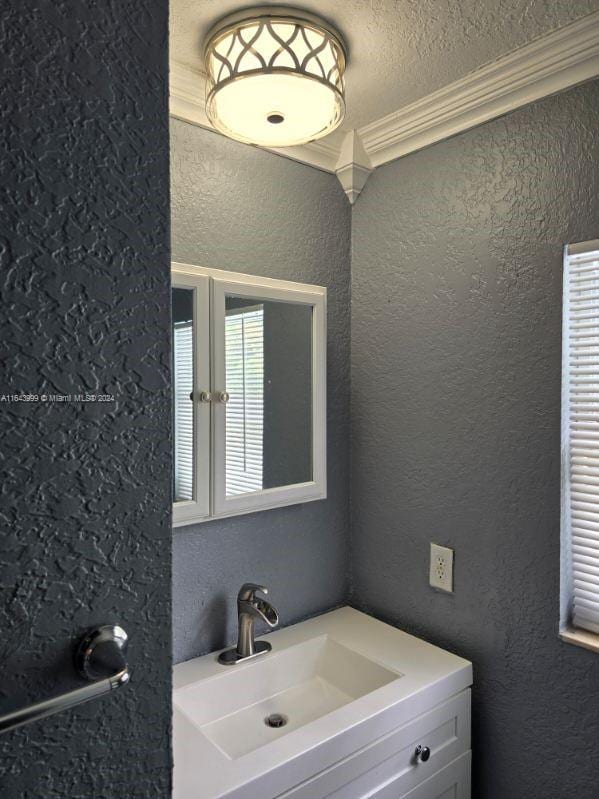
(198, 508)
(211, 335)
(568, 631)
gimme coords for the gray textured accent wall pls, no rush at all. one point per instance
(456, 336)
(240, 208)
(85, 488)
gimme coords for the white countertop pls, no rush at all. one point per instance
(426, 676)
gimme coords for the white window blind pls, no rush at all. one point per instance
(580, 433)
(244, 354)
(183, 408)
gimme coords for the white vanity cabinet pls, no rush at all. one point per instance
(372, 713)
(452, 782)
(249, 386)
(389, 768)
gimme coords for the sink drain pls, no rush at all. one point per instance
(275, 720)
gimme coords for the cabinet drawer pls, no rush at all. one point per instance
(452, 782)
(391, 758)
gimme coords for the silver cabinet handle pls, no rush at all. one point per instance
(203, 396)
(223, 396)
(100, 659)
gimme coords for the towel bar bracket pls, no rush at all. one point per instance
(100, 659)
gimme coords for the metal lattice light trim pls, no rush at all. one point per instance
(276, 48)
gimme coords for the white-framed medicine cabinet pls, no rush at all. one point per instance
(249, 393)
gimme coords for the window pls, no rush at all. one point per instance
(244, 359)
(580, 444)
(183, 409)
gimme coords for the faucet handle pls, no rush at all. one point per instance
(247, 592)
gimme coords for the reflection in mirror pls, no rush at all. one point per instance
(182, 349)
(268, 354)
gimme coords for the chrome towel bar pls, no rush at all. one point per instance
(100, 658)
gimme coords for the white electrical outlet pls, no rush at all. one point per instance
(441, 568)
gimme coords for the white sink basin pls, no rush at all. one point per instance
(342, 680)
(302, 683)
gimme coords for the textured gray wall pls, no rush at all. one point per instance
(240, 208)
(85, 489)
(456, 328)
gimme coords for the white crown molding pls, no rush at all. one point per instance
(353, 166)
(552, 63)
(187, 92)
(555, 62)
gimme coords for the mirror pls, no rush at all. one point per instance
(249, 393)
(183, 377)
(268, 377)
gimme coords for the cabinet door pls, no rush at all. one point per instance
(452, 782)
(269, 389)
(191, 399)
(387, 767)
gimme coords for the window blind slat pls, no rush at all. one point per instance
(183, 409)
(586, 606)
(586, 588)
(586, 569)
(582, 456)
(582, 526)
(244, 361)
(585, 556)
(587, 539)
(581, 621)
(583, 475)
(581, 433)
(586, 564)
(588, 495)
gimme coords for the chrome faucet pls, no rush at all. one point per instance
(250, 608)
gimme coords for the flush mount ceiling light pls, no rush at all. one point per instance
(275, 76)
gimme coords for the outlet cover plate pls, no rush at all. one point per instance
(441, 568)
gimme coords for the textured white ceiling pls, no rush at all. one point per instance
(399, 50)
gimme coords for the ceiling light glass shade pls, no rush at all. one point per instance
(275, 77)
